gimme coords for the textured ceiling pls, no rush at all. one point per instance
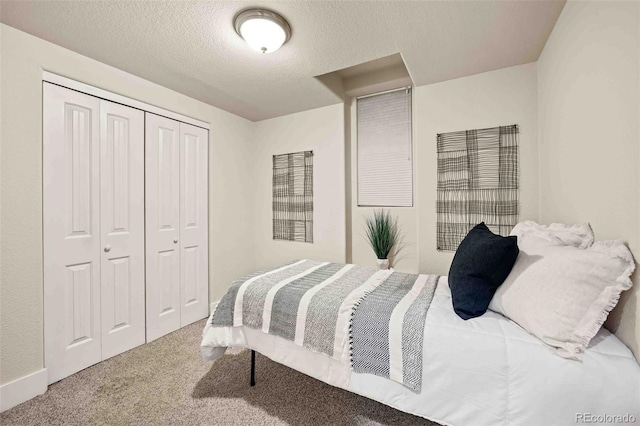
(191, 47)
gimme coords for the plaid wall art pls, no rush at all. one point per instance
(478, 180)
(293, 197)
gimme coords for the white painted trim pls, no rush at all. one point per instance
(23, 389)
(384, 92)
(114, 97)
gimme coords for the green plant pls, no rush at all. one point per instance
(382, 232)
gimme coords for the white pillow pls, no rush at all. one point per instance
(563, 294)
(579, 235)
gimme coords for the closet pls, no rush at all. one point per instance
(176, 194)
(125, 227)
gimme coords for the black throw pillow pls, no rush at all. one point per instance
(481, 264)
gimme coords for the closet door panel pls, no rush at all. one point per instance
(194, 234)
(162, 162)
(122, 228)
(71, 230)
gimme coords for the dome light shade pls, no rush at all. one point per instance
(263, 30)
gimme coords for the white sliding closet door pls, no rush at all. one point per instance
(71, 220)
(122, 223)
(163, 225)
(194, 235)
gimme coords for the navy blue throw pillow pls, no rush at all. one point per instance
(481, 264)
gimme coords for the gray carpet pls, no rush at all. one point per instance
(165, 383)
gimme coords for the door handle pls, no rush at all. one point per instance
(107, 249)
(175, 241)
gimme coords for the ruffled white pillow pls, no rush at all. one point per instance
(579, 235)
(562, 294)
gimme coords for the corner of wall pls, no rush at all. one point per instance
(347, 180)
(539, 145)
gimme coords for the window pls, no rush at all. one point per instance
(385, 171)
(477, 182)
(293, 197)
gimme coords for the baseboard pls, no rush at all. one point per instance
(213, 306)
(23, 389)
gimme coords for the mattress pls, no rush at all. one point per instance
(484, 371)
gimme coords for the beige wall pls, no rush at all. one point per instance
(589, 103)
(503, 97)
(496, 98)
(24, 57)
(322, 131)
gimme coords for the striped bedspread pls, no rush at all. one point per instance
(373, 320)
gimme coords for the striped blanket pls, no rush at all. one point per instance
(373, 320)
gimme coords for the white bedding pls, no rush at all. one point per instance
(485, 371)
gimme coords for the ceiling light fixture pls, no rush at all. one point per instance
(263, 30)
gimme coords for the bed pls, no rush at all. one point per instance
(487, 371)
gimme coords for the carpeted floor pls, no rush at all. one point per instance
(165, 383)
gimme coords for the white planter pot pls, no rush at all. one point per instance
(383, 264)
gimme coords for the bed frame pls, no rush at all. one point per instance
(252, 379)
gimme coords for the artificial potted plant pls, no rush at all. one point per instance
(383, 234)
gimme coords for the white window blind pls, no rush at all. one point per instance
(385, 171)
